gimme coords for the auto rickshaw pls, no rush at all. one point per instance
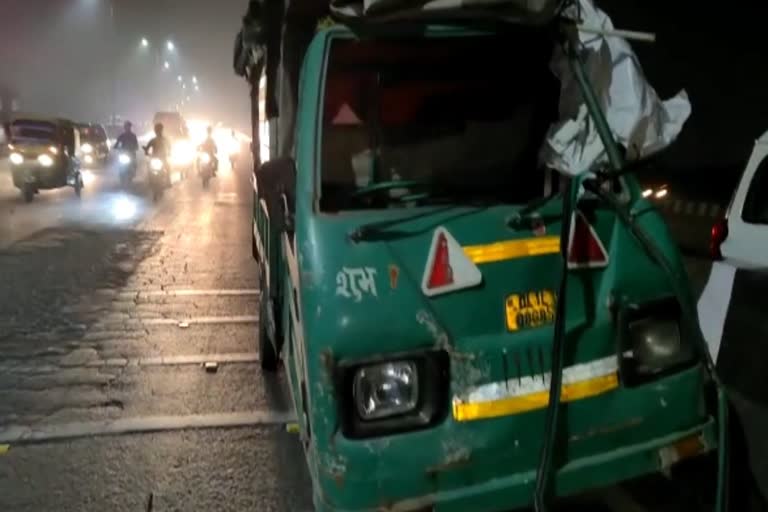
(465, 325)
(43, 155)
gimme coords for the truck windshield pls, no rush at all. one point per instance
(32, 131)
(465, 115)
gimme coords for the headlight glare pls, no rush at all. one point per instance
(86, 148)
(156, 164)
(385, 390)
(16, 158)
(205, 158)
(45, 160)
(182, 153)
(124, 159)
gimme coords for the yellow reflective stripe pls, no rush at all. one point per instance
(512, 249)
(4, 448)
(467, 411)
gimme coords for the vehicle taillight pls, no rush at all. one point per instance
(585, 250)
(718, 236)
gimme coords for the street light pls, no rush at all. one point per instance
(197, 89)
(166, 65)
(171, 47)
(144, 42)
(194, 79)
(179, 78)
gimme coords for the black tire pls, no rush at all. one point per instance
(267, 355)
(78, 186)
(206, 180)
(28, 193)
(157, 193)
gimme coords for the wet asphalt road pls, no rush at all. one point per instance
(93, 327)
(109, 306)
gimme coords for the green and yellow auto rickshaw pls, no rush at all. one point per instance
(462, 328)
(43, 155)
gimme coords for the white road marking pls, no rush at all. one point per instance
(235, 319)
(27, 434)
(233, 358)
(243, 292)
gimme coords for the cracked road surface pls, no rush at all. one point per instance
(109, 309)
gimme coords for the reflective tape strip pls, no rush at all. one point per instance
(516, 396)
(513, 249)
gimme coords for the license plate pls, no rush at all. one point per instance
(530, 309)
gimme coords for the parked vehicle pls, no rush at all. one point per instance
(734, 301)
(42, 155)
(435, 293)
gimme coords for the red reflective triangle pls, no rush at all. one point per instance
(346, 116)
(585, 249)
(441, 273)
(447, 269)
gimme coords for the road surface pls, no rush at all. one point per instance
(110, 308)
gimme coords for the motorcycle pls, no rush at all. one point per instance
(206, 167)
(159, 178)
(126, 162)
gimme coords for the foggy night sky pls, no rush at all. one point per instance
(58, 55)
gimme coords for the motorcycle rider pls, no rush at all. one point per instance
(209, 146)
(160, 147)
(127, 140)
(128, 143)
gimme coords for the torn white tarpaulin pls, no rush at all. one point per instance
(639, 120)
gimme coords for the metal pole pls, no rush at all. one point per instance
(114, 61)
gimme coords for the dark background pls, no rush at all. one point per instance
(58, 55)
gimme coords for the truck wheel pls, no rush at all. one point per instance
(267, 354)
(29, 193)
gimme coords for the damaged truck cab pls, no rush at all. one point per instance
(414, 252)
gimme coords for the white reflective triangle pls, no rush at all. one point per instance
(465, 273)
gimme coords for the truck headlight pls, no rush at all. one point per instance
(386, 389)
(389, 395)
(86, 148)
(654, 340)
(16, 158)
(45, 160)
